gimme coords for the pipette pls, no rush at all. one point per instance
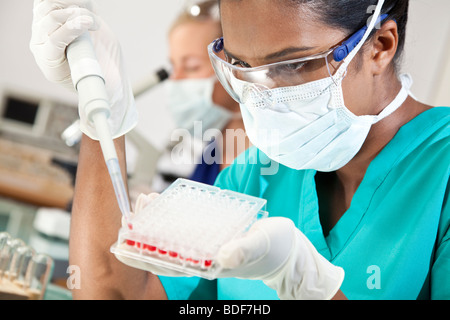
(89, 82)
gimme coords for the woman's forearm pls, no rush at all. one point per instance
(96, 220)
(339, 296)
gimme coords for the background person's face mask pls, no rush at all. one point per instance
(190, 100)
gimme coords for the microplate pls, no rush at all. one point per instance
(185, 226)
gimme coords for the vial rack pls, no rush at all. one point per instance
(185, 226)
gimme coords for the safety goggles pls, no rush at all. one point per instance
(271, 76)
(237, 79)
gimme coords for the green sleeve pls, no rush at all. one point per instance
(189, 288)
(440, 273)
(231, 178)
(247, 172)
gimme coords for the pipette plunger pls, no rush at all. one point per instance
(93, 98)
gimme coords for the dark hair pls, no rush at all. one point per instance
(352, 15)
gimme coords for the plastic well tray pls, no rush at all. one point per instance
(185, 226)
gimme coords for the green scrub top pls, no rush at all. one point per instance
(393, 241)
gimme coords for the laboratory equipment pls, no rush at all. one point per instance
(6, 255)
(72, 134)
(28, 174)
(4, 236)
(38, 275)
(53, 222)
(5, 239)
(151, 81)
(33, 120)
(185, 226)
(19, 264)
(24, 274)
(30, 129)
(88, 80)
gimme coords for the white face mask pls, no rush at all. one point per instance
(308, 126)
(190, 100)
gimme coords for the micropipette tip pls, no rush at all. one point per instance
(119, 189)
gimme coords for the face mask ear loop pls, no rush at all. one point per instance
(370, 27)
(329, 71)
(342, 74)
(342, 71)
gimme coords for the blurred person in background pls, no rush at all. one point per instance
(212, 132)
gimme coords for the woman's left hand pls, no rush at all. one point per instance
(275, 251)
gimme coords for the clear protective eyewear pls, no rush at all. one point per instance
(237, 79)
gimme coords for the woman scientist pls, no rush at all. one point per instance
(362, 185)
(197, 99)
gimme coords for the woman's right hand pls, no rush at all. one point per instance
(56, 24)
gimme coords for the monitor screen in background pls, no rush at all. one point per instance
(21, 111)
